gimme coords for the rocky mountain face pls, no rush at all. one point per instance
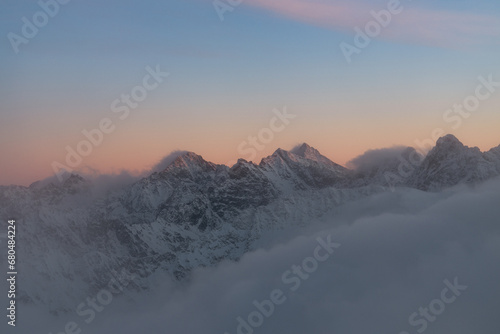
(450, 163)
(195, 213)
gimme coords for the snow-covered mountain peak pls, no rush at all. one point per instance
(448, 146)
(448, 142)
(242, 163)
(302, 149)
(192, 162)
(52, 187)
(450, 162)
(308, 152)
(74, 180)
(495, 150)
(278, 157)
(303, 154)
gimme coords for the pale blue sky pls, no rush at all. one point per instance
(227, 76)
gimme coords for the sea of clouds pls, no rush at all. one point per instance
(395, 253)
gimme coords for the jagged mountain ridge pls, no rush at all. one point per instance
(195, 213)
(450, 163)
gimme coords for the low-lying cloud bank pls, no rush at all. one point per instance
(408, 262)
(103, 184)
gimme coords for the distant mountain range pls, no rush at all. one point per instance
(195, 213)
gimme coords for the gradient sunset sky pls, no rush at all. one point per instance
(227, 76)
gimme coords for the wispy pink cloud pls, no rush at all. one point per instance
(414, 24)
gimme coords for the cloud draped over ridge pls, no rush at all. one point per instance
(167, 160)
(375, 158)
(103, 183)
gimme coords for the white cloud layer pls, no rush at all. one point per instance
(397, 249)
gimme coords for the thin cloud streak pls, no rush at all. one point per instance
(413, 25)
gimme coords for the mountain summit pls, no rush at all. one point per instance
(449, 142)
(450, 163)
(310, 153)
(192, 162)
